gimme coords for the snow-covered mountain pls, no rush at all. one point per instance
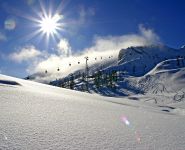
(38, 116)
(144, 59)
(153, 69)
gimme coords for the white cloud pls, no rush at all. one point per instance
(2, 37)
(115, 43)
(83, 19)
(102, 47)
(149, 34)
(85, 13)
(84, 16)
(25, 54)
(64, 48)
(30, 2)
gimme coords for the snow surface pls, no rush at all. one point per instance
(38, 116)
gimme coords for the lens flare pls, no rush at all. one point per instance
(10, 24)
(138, 137)
(125, 120)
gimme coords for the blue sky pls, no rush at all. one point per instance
(85, 24)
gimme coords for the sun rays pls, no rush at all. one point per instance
(47, 22)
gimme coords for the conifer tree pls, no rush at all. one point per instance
(178, 61)
(97, 79)
(71, 84)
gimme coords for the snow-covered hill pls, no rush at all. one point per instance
(146, 70)
(38, 116)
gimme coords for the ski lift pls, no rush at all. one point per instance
(87, 58)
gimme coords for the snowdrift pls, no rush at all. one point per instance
(38, 116)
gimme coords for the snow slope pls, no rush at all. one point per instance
(37, 116)
(165, 80)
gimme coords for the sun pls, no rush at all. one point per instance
(50, 24)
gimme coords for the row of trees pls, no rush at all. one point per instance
(82, 82)
(106, 79)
